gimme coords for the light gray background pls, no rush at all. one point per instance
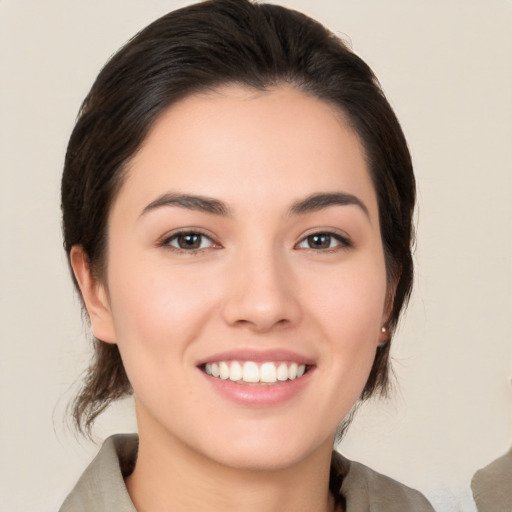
(446, 68)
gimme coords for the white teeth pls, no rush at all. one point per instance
(251, 372)
(282, 372)
(223, 370)
(268, 372)
(235, 372)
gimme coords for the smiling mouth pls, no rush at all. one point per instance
(250, 372)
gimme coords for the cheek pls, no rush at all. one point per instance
(159, 307)
(350, 318)
(350, 301)
(151, 310)
(157, 316)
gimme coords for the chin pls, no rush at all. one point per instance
(263, 453)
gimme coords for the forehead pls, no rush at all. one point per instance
(237, 143)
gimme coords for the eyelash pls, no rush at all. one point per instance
(342, 242)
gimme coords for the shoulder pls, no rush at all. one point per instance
(491, 485)
(366, 490)
(101, 487)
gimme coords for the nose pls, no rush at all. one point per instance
(262, 292)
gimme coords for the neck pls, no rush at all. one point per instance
(171, 476)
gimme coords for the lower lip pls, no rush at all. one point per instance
(259, 395)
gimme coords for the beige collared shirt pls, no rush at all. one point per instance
(101, 488)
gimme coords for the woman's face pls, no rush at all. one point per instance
(244, 248)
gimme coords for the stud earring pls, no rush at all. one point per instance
(385, 342)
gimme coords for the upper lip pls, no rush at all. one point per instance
(258, 356)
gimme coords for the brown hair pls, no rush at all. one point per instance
(201, 47)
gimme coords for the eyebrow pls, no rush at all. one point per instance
(190, 202)
(317, 202)
(212, 206)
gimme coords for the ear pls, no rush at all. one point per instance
(94, 296)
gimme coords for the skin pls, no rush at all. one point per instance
(256, 283)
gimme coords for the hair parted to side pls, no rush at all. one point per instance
(199, 48)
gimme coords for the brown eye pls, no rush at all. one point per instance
(319, 241)
(189, 241)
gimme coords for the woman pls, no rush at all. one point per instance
(237, 200)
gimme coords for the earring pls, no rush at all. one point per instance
(385, 342)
